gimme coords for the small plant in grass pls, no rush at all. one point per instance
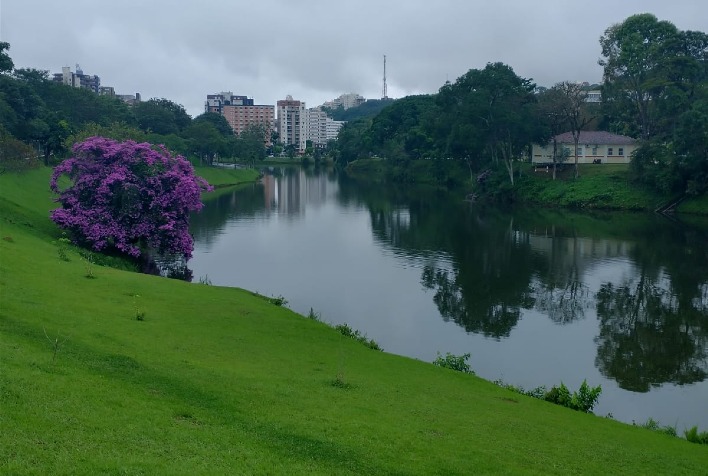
(139, 313)
(56, 343)
(347, 331)
(694, 436)
(653, 425)
(315, 316)
(538, 392)
(9, 239)
(454, 362)
(340, 382)
(89, 261)
(278, 301)
(62, 247)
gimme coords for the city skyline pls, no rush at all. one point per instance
(316, 50)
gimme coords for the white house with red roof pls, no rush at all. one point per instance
(594, 147)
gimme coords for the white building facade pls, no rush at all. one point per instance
(291, 123)
(320, 128)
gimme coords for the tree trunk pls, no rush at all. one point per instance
(510, 168)
(576, 139)
(555, 156)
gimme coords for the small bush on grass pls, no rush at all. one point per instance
(694, 436)
(454, 362)
(653, 425)
(583, 400)
(347, 331)
(278, 301)
(315, 316)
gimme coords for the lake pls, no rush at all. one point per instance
(537, 297)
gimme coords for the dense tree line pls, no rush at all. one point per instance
(655, 89)
(40, 117)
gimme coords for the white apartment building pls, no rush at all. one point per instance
(291, 123)
(333, 128)
(345, 101)
(320, 128)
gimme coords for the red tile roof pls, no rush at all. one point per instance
(596, 138)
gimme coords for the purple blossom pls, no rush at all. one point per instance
(128, 196)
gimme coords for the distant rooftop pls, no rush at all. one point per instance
(596, 137)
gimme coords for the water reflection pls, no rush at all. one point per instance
(283, 191)
(638, 283)
(643, 277)
(654, 323)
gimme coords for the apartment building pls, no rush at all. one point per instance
(345, 101)
(78, 79)
(320, 128)
(291, 123)
(241, 112)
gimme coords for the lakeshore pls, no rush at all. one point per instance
(217, 380)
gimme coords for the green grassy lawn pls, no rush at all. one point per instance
(696, 205)
(223, 177)
(602, 186)
(218, 381)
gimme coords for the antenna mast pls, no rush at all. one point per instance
(385, 89)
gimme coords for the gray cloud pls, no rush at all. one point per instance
(316, 49)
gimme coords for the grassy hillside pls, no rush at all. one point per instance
(219, 381)
(604, 186)
(223, 177)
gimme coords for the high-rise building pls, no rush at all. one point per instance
(320, 128)
(345, 101)
(291, 123)
(78, 79)
(216, 102)
(240, 112)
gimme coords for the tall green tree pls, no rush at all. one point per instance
(251, 143)
(493, 113)
(161, 116)
(217, 120)
(205, 141)
(551, 113)
(6, 64)
(573, 106)
(636, 54)
(656, 84)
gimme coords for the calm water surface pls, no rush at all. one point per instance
(535, 296)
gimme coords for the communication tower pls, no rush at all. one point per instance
(385, 89)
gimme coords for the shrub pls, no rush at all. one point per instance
(16, 156)
(583, 400)
(653, 425)
(347, 331)
(128, 196)
(278, 301)
(454, 362)
(315, 316)
(694, 436)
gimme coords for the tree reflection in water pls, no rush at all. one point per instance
(654, 326)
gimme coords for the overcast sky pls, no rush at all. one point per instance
(316, 50)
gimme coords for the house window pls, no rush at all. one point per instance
(609, 151)
(594, 150)
(580, 151)
(620, 151)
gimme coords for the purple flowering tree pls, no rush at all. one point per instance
(128, 196)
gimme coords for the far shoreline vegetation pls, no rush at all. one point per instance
(109, 370)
